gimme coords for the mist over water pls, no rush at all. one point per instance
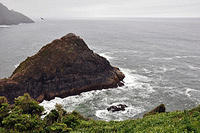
(159, 57)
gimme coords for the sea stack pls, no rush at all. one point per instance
(62, 68)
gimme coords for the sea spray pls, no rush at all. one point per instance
(99, 100)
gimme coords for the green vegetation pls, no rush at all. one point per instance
(25, 116)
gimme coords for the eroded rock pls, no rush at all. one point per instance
(159, 109)
(62, 68)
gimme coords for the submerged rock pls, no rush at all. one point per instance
(159, 109)
(62, 68)
(119, 107)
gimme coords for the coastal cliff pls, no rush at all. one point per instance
(10, 17)
(62, 68)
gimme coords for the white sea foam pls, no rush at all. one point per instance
(49, 105)
(164, 58)
(106, 55)
(73, 101)
(179, 57)
(171, 58)
(193, 67)
(136, 81)
(146, 70)
(163, 69)
(125, 51)
(193, 94)
(16, 65)
(4, 26)
(119, 115)
(97, 101)
(187, 92)
(185, 56)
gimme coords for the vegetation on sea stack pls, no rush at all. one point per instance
(25, 116)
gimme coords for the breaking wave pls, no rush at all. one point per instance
(16, 65)
(193, 94)
(96, 102)
(4, 26)
(106, 55)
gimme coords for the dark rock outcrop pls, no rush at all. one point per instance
(119, 107)
(159, 109)
(62, 68)
(10, 17)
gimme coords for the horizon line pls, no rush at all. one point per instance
(112, 17)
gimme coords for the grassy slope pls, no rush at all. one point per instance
(173, 122)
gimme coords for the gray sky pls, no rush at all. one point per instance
(105, 8)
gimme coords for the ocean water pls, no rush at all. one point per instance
(159, 57)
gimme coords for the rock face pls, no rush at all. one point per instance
(10, 17)
(159, 109)
(119, 107)
(62, 68)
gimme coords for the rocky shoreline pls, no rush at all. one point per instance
(62, 68)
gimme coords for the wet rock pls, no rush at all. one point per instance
(159, 109)
(62, 68)
(119, 107)
(120, 84)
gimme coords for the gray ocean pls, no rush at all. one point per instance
(159, 57)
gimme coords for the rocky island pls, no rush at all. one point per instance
(62, 68)
(11, 17)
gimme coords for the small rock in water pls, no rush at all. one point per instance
(119, 107)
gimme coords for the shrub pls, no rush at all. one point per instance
(58, 128)
(3, 100)
(52, 117)
(25, 117)
(29, 105)
(73, 119)
(3, 130)
(22, 122)
(61, 112)
(4, 108)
